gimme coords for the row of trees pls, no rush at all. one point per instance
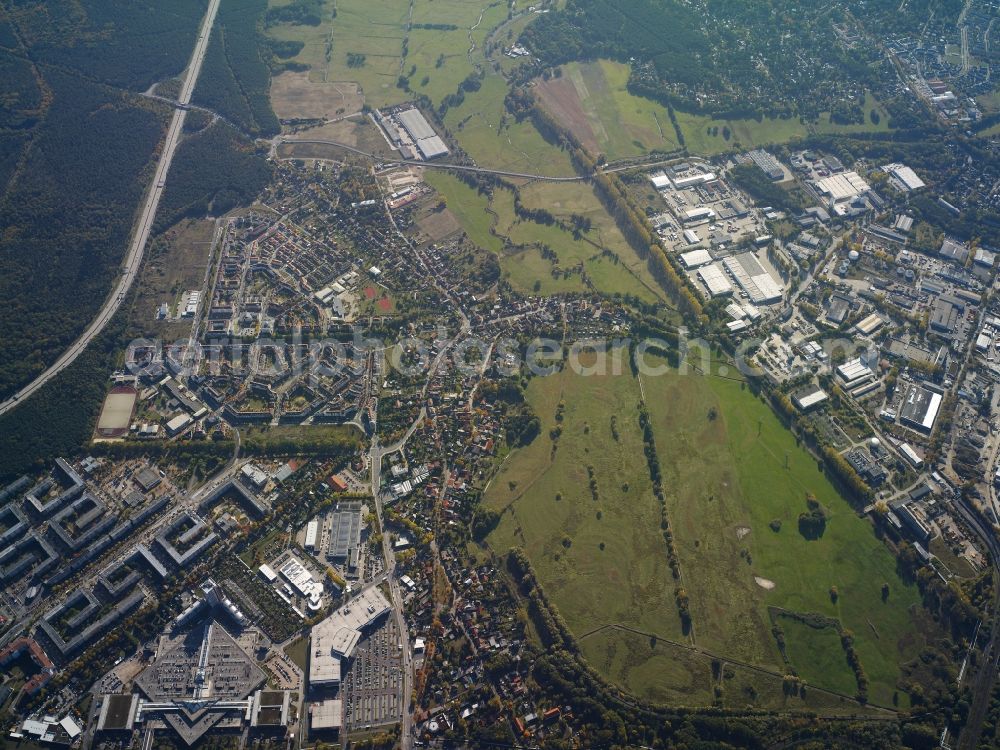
(627, 214)
(235, 77)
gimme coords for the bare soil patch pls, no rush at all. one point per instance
(439, 224)
(559, 96)
(295, 97)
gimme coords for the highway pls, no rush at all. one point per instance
(143, 227)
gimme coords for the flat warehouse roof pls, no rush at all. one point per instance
(345, 531)
(853, 370)
(843, 186)
(920, 407)
(696, 258)
(327, 715)
(715, 280)
(416, 124)
(808, 400)
(432, 146)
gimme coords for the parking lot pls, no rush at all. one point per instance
(285, 674)
(373, 684)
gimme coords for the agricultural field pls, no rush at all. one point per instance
(732, 475)
(295, 95)
(592, 100)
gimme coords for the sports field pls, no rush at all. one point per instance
(116, 414)
(730, 470)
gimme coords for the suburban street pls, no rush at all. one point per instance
(133, 260)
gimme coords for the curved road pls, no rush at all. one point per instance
(143, 227)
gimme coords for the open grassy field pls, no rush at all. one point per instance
(655, 670)
(592, 100)
(313, 38)
(374, 29)
(990, 101)
(494, 139)
(731, 477)
(707, 136)
(730, 469)
(445, 56)
(467, 206)
(373, 43)
(871, 104)
(601, 560)
(579, 259)
(817, 656)
(675, 674)
(564, 200)
(627, 276)
(528, 272)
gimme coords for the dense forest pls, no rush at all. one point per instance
(76, 144)
(235, 77)
(67, 217)
(730, 58)
(60, 417)
(213, 171)
(301, 12)
(67, 33)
